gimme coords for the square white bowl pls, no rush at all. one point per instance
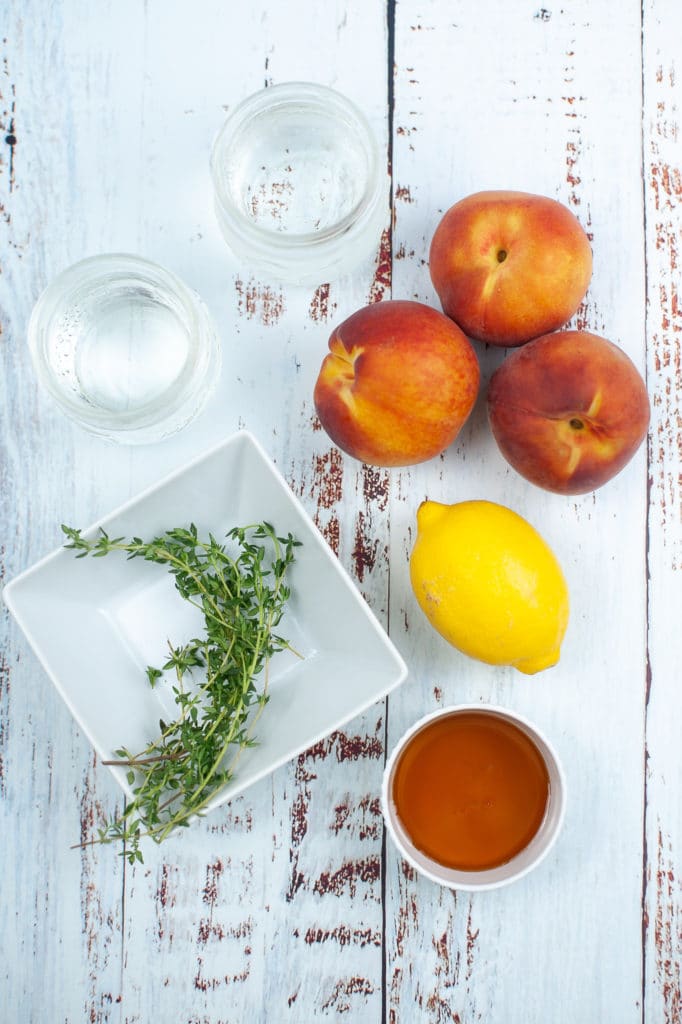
(95, 624)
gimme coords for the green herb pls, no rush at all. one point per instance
(241, 591)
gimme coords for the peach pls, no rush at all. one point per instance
(568, 411)
(509, 266)
(398, 384)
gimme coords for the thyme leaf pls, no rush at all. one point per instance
(241, 590)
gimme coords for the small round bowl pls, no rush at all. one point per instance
(298, 187)
(523, 862)
(124, 348)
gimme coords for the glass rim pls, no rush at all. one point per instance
(151, 416)
(286, 93)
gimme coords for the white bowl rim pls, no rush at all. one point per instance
(241, 436)
(467, 880)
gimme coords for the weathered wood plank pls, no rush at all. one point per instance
(662, 30)
(273, 909)
(495, 97)
(287, 905)
(65, 906)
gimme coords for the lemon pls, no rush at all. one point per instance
(488, 582)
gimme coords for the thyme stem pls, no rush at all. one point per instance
(241, 594)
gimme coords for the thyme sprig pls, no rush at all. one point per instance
(241, 590)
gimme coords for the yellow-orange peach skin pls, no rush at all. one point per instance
(568, 411)
(509, 266)
(398, 384)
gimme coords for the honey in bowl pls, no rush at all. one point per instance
(471, 790)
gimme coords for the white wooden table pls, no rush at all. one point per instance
(291, 905)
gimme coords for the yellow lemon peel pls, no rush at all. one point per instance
(489, 584)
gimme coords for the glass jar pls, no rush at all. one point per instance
(124, 348)
(299, 189)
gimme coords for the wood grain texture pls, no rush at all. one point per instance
(662, 891)
(278, 917)
(538, 104)
(291, 904)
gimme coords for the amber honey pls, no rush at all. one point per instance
(471, 790)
